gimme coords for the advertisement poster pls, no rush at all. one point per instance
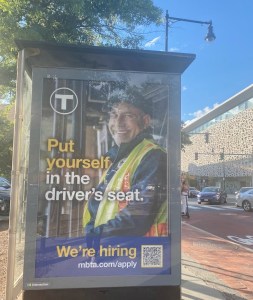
(102, 207)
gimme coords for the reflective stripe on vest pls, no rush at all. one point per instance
(121, 181)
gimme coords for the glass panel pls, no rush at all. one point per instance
(70, 142)
(250, 103)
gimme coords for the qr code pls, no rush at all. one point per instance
(151, 256)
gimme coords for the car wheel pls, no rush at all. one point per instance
(246, 205)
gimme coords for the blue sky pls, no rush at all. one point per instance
(221, 68)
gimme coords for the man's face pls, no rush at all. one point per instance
(126, 122)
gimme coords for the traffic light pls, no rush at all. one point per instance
(196, 156)
(222, 156)
(207, 137)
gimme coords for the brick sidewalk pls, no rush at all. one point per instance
(232, 269)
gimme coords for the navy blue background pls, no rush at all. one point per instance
(48, 264)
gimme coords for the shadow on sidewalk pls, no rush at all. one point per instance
(221, 271)
(204, 274)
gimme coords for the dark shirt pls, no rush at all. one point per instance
(149, 179)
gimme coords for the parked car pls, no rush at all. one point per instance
(4, 202)
(193, 192)
(245, 200)
(4, 196)
(212, 195)
(4, 183)
(242, 190)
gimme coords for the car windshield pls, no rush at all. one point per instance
(210, 189)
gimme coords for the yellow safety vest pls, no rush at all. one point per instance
(121, 181)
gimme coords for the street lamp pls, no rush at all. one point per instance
(210, 34)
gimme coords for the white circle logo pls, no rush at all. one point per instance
(63, 101)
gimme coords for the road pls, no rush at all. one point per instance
(226, 221)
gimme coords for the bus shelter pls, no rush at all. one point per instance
(69, 99)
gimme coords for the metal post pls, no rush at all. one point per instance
(252, 169)
(224, 171)
(166, 31)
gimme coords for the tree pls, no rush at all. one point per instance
(99, 22)
(6, 138)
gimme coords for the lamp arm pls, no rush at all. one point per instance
(189, 20)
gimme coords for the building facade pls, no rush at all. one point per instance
(221, 152)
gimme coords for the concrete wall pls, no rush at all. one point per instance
(235, 135)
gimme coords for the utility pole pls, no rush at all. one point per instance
(223, 169)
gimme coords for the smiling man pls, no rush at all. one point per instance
(134, 188)
(126, 121)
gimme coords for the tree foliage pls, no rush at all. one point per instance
(117, 23)
(6, 138)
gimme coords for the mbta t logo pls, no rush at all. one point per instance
(63, 101)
